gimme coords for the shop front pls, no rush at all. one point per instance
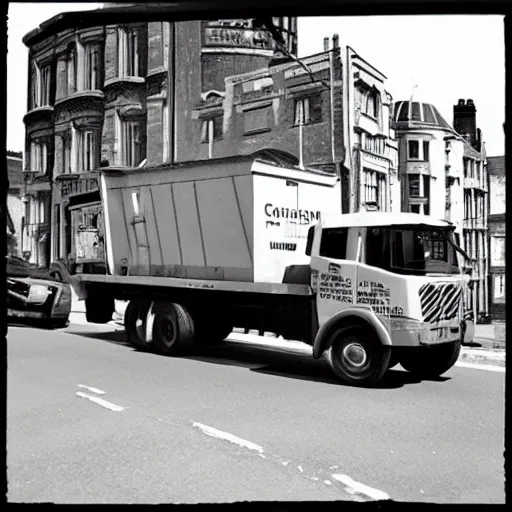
(78, 236)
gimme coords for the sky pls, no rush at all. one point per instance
(445, 57)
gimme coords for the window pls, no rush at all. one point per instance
(426, 186)
(42, 209)
(40, 85)
(499, 288)
(131, 138)
(411, 251)
(39, 157)
(414, 185)
(71, 71)
(257, 120)
(334, 243)
(370, 104)
(374, 189)
(414, 149)
(374, 144)
(84, 151)
(211, 129)
(127, 52)
(302, 112)
(415, 208)
(497, 251)
(426, 147)
(92, 66)
(56, 232)
(66, 153)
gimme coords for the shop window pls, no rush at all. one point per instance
(334, 243)
(414, 150)
(211, 129)
(87, 241)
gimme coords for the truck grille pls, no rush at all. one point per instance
(440, 301)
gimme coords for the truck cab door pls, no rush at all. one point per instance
(334, 267)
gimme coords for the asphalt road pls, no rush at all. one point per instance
(239, 423)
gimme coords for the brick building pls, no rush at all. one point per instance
(100, 95)
(436, 161)
(497, 231)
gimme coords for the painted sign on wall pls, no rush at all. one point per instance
(237, 37)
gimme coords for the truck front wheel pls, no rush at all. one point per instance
(173, 329)
(357, 357)
(431, 362)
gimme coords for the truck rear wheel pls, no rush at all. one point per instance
(173, 329)
(431, 362)
(135, 322)
(357, 357)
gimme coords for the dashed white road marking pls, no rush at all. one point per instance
(219, 434)
(328, 482)
(94, 390)
(100, 401)
(353, 487)
(475, 366)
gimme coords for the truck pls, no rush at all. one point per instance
(200, 248)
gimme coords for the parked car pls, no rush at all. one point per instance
(36, 293)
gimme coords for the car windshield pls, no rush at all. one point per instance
(412, 250)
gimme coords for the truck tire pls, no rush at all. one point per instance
(357, 357)
(173, 329)
(98, 309)
(135, 322)
(432, 362)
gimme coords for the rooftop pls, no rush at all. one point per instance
(420, 115)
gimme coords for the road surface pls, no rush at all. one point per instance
(91, 420)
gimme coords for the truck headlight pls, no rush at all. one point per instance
(38, 294)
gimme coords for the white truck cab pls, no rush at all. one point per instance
(389, 289)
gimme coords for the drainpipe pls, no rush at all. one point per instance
(331, 83)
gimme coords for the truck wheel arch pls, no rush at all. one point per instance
(346, 318)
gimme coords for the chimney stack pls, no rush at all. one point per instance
(464, 121)
(335, 41)
(326, 44)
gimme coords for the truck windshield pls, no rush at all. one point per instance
(412, 250)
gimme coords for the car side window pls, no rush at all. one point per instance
(334, 243)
